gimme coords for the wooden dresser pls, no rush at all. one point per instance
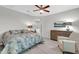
(55, 33)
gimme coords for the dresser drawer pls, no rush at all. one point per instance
(55, 33)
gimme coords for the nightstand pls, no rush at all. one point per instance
(1, 46)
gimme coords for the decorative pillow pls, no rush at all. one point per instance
(5, 36)
(33, 30)
(15, 31)
(24, 31)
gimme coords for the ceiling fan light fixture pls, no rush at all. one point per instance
(41, 11)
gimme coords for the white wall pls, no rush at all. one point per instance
(72, 15)
(10, 19)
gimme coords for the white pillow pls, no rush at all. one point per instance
(15, 31)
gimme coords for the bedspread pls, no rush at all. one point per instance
(18, 43)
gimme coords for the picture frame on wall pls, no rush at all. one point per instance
(59, 24)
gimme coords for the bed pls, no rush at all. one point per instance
(17, 41)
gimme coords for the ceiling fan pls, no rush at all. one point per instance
(42, 8)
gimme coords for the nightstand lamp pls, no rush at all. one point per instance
(68, 24)
(29, 27)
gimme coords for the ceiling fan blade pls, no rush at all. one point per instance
(46, 7)
(36, 10)
(37, 6)
(46, 11)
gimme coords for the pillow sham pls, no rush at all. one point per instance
(6, 36)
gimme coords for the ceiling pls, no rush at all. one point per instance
(28, 9)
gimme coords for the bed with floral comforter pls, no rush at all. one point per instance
(18, 43)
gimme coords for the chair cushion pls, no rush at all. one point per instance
(69, 46)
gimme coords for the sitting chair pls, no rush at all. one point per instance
(69, 45)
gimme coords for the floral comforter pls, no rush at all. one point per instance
(21, 42)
